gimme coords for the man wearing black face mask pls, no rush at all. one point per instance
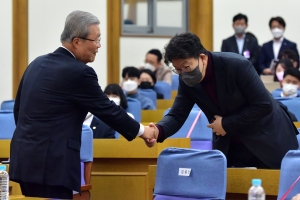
(147, 81)
(241, 42)
(243, 116)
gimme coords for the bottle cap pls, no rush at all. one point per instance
(256, 182)
(2, 167)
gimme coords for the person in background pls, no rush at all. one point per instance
(271, 50)
(153, 61)
(240, 42)
(290, 54)
(101, 130)
(148, 80)
(280, 67)
(130, 82)
(290, 84)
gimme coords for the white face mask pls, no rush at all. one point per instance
(277, 32)
(149, 66)
(116, 100)
(130, 85)
(289, 89)
(280, 75)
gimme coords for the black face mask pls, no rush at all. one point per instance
(145, 85)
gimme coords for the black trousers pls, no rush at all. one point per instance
(46, 191)
(240, 156)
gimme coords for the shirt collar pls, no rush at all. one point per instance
(243, 37)
(69, 51)
(291, 96)
(280, 40)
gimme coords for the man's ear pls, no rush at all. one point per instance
(75, 42)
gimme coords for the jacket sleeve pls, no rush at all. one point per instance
(223, 47)
(178, 114)
(88, 94)
(259, 103)
(263, 63)
(17, 102)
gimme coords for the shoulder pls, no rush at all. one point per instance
(289, 42)
(229, 39)
(267, 44)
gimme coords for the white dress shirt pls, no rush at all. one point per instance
(276, 46)
(240, 43)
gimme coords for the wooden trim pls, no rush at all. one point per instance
(201, 21)
(20, 41)
(113, 40)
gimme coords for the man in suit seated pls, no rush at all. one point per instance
(240, 42)
(247, 123)
(271, 50)
(55, 94)
(290, 84)
(130, 83)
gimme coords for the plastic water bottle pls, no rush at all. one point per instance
(256, 192)
(4, 181)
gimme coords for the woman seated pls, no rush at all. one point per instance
(148, 80)
(100, 130)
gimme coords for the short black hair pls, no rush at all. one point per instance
(117, 90)
(292, 72)
(157, 53)
(151, 73)
(286, 64)
(131, 72)
(239, 17)
(280, 20)
(290, 54)
(182, 46)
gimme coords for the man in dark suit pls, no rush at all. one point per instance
(241, 42)
(249, 126)
(55, 94)
(272, 49)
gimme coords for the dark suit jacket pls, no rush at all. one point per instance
(267, 53)
(101, 130)
(246, 106)
(54, 96)
(250, 44)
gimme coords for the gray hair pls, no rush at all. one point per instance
(77, 25)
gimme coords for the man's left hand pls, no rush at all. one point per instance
(216, 126)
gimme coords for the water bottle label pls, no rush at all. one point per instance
(184, 171)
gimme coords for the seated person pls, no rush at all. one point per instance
(291, 55)
(280, 67)
(153, 61)
(272, 49)
(148, 80)
(100, 130)
(130, 82)
(290, 84)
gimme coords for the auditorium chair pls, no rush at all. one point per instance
(289, 175)
(163, 88)
(151, 94)
(190, 174)
(293, 105)
(175, 82)
(135, 108)
(7, 124)
(200, 134)
(86, 158)
(8, 105)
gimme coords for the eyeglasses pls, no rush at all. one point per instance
(97, 41)
(182, 70)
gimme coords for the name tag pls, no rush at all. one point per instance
(184, 171)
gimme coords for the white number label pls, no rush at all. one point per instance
(184, 171)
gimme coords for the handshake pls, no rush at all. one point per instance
(150, 135)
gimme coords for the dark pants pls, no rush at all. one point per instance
(240, 156)
(46, 191)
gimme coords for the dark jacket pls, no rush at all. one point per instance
(250, 45)
(247, 109)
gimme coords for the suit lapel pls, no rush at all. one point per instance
(234, 45)
(283, 46)
(246, 45)
(220, 78)
(270, 49)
